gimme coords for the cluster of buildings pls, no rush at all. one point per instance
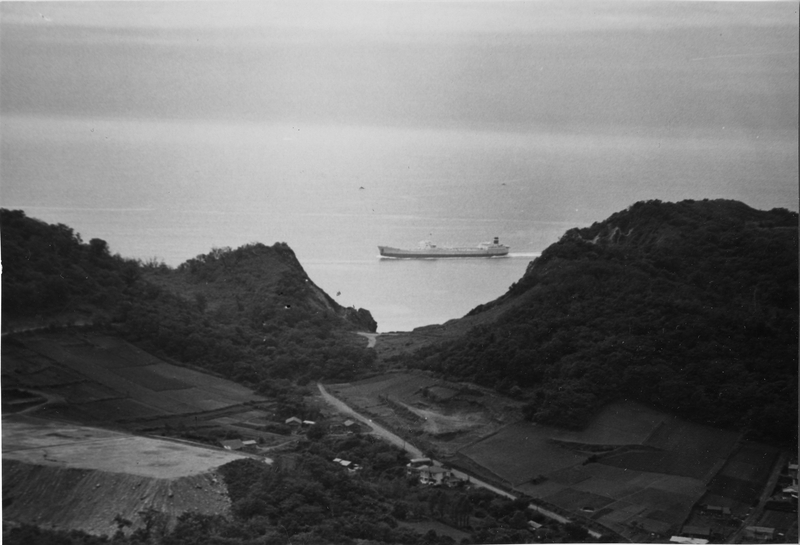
(430, 474)
(297, 423)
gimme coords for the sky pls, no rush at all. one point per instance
(592, 105)
(479, 65)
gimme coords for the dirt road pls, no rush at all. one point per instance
(372, 338)
(377, 429)
(382, 432)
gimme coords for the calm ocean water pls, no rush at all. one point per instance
(175, 190)
(168, 129)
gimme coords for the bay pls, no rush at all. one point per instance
(171, 190)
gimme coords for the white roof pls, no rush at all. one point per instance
(420, 460)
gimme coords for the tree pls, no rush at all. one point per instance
(98, 247)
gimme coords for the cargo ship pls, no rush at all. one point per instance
(428, 250)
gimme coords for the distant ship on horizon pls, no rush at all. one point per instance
(428, 250)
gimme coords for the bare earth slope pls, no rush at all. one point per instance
(76, 477)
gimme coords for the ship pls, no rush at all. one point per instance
(427, 250)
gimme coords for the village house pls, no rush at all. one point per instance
(347, 464)
(717, 510)
(232, 444)
(682, 539)
(249, 445)
(437, 476)
(416, 464)
(759, 533)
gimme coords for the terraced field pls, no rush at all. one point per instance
(102, 380)
(634, 470)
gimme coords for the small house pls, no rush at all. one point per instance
(294, 421)
(682, 539)
(347, 464)
(434, 475)
(759, 532)
(419, 462)
(232, 444)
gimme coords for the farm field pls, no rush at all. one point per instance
(683, 448)
(782, 522)
(624, 423)
(522, 451)
(644, 477)
(742, 478)
(634, 470)
(104, 381)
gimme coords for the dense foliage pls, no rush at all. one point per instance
(691, 307)
(250, 314)
(307, 498)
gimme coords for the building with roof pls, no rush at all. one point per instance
(232, 444)
(760, 533)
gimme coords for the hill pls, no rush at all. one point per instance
(690, 307)
(250, 314)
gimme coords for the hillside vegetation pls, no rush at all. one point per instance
(690, 307)
(250, 314)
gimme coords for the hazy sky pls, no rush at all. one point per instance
(642, 66)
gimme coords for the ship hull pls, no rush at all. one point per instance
(429, 253)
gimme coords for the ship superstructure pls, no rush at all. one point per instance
(427, 250)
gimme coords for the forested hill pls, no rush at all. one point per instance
(251, 314)
(691, 307)
(263, 281)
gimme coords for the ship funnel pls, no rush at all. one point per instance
(496, 240)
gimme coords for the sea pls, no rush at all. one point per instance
(168, 131)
